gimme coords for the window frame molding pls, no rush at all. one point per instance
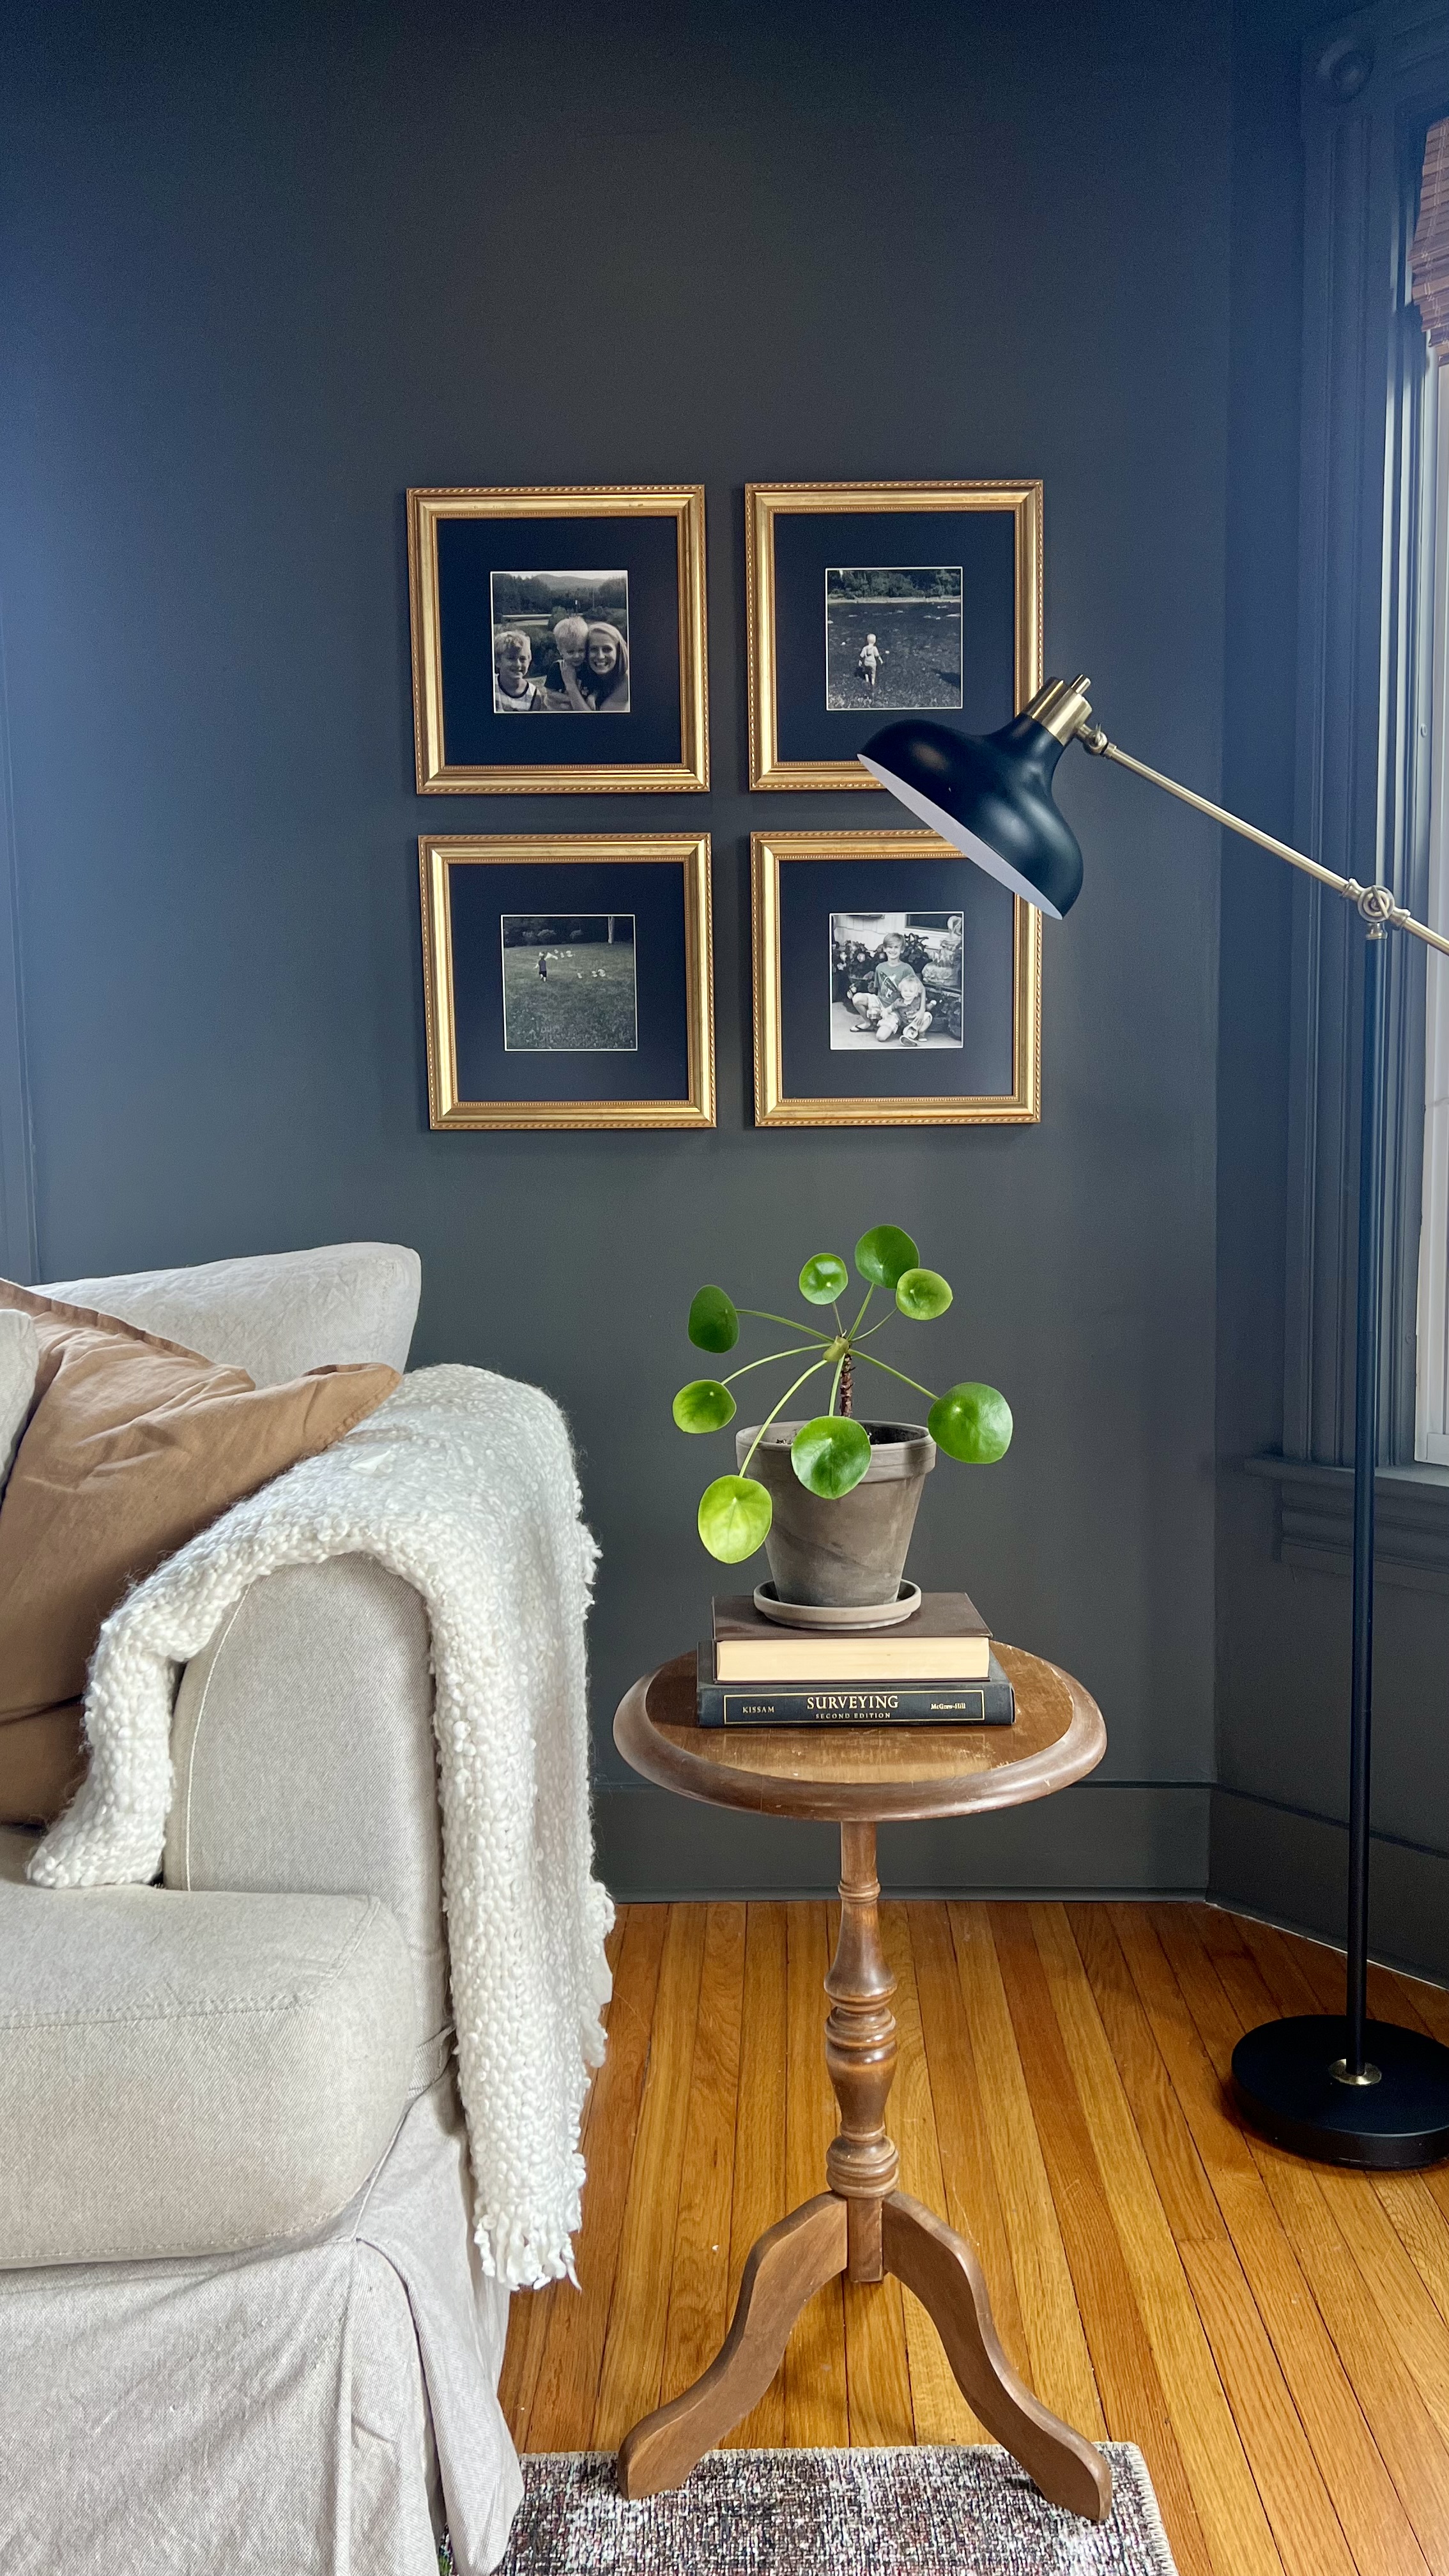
(1372, 84)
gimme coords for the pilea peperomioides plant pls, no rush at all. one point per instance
(831, 1453)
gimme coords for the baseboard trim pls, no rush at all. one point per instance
(1100, 1839)
(1292, 1868)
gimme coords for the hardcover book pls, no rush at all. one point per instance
(945, 1640)
(875, 1702)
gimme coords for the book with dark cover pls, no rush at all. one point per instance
(946, 1639)
(991, 1702)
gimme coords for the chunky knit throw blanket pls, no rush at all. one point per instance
(463, 1484)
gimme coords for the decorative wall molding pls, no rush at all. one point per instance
(1314, 1520)
(1102, 1838)
(1292, 1868)
(1371, 84)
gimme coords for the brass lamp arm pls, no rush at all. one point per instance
(1374, 902)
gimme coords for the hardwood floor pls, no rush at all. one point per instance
(1274, 2335)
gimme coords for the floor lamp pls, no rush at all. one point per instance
(1336, 2086)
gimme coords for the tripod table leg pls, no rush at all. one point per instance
(946, 2276)
(788, 2265)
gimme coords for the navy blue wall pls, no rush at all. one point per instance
(267, 266)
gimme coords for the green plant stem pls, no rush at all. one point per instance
(835, 1310)
(860, 1318)
(779, 1408)
(872, 1362)
(835, 1382)
(875, 1328)
(789, 1322)
(796, 1352)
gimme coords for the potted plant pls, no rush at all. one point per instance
(834, 1499)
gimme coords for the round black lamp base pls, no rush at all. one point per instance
(1286, 2088)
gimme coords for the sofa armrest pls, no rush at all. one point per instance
(302, 1741)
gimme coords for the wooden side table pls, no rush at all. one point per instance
(862, 2224)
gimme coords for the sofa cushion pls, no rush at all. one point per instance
(190, 2074)
(133, 1445)
(274, 1314)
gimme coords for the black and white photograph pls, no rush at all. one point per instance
(560, 643)
(569, 983)
(895, 980)
(893, 636)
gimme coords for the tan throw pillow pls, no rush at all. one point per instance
(133, 1445)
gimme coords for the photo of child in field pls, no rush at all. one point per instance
(895, 980)
(893, 636)
(569, 983)
(560, 643)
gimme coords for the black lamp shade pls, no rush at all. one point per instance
(990, 795)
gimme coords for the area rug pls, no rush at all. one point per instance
(921, 2512)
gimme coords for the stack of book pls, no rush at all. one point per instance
(934, 1669)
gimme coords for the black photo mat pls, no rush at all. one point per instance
(469, 551)
(480, 896)
(807, 543)
(811, 891)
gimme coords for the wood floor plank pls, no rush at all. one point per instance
(758, 2199)
(971, 2201)
(938, 2411)
(528, 2314)
(1264, 2328)
(1404, 2302)
(562, 2415)
(1364, 2496)
(700, 2280)
(1059, 2366)
(815, 2366)
(1229, 2507)
(1227, 1997)
(1122, 2358)
(1305, 2526)
(629, 2382)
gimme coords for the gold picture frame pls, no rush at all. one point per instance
(479, 999)
(432, 511)
(964, 890)
(766, 504)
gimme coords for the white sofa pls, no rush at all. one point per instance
(242, 2323)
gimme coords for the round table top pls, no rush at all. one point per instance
(877, 1774)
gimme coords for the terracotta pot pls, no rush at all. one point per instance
(850, 1553)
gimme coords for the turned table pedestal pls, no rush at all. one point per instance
(862, 2224)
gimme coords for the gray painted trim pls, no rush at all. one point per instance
(1360, 798)
(1293, 1868)
(1101, 1839)
(18, 1250)
(1313, 1524)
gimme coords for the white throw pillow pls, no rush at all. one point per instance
(19, 1360)
(274, 1314)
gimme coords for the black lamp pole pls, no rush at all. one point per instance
(1341, 2088)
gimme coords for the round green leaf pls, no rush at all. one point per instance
(823, 1278)
(972, 1423)
(923, 1294)
(713, 1323)
(704, 1405)
(884, 1254)
(734, 1514)
(829, 1455)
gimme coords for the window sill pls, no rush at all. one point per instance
(1314, 1519)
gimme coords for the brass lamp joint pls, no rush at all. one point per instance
(1062, 707)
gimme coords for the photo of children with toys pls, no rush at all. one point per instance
(895, 979)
